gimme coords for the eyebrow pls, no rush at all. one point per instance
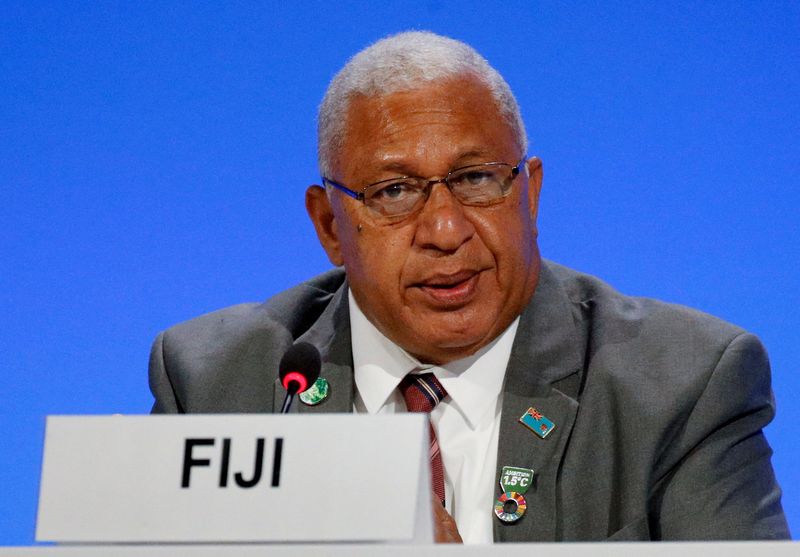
(403, 167)
(472, 154)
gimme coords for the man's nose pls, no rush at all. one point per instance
(442, 224)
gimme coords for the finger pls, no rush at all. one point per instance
(444, 527)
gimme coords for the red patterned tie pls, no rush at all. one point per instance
(422, 393)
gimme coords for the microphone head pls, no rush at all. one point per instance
(299, 367)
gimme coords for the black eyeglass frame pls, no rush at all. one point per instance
(359, 195)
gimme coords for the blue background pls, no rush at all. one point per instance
(153, 159)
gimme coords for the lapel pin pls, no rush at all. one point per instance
(316, 393)
(516, 479)
(536, 422)
(514, 482)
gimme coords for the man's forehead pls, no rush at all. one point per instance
(429, 114)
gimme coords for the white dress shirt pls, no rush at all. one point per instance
(467, 422)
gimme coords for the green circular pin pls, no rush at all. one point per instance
(317, 393)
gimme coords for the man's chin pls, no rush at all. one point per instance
(438, 348)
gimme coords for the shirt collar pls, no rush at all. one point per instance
(378, 363)
(473, 383)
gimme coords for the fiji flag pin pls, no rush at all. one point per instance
(536, 422)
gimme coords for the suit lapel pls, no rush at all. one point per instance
(544, 373)
(331, 335)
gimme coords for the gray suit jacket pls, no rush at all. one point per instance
(659, 409)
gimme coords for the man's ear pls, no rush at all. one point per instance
(320, 211)
(534, 168)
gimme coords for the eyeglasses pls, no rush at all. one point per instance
(477, 185)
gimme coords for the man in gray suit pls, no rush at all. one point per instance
(630, 418)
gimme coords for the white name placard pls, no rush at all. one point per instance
(235, 478)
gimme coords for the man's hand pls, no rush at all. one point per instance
(444, 527)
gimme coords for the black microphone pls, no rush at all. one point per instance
(298, 370)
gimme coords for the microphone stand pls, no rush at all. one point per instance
(287, 400)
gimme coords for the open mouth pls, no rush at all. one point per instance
(452, 290)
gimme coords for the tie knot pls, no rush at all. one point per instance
(422, 392)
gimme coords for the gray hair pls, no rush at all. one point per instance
(403, 62)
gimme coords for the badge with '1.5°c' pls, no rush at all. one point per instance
(514, 482)
(516, 479)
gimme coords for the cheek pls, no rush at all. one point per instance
(378, 259)
(508, 234)
(518, 258)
